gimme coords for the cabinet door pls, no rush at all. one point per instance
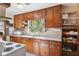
(18, 21)
(27, 16)
(24, 42)
(12, 38)
(36, 14)
(36, 46)
(15, 39)
(24, 16)
(49, 18)
(29, 44)
(57, 17)
(55, 49)
(18, 40)
(42, 13)
(44, 48)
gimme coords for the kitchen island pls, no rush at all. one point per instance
(39, 45)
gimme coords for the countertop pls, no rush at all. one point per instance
(39, 37)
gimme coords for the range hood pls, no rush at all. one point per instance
(3, 12)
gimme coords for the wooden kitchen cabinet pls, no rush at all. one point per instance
(36, 14)
(44, 48)
(36, 47)
(42, 13)
(49, 18)
(55, 48)
(39, 47)
(57, 16)
(15, 39)
(27, 16)
(18, 21)
(53, 18)
(18, 39)
(29, 44)
(12, 38)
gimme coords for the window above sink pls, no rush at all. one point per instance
(36, 25)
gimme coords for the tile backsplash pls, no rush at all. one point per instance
(50, 32)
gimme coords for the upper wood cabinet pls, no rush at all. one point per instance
(39, 13)
(44, 48)
(57, 16)
(18, 21)
(27, 16)
(36, 14)
(42, 13)
(53, 17)
(49, 18)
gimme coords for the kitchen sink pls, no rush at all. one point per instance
(18, 45)
(8, 49)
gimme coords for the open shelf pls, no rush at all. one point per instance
(69, 38)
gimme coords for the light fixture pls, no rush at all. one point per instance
(21, 5)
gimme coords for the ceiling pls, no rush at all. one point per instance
(13, 10)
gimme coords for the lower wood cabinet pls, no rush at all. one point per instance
(18, 39)
(39, 46)
(13, 38)
(44, 48)
(36, 46)
(29, 44)
(55, 48)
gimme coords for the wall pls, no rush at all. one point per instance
(2, 10)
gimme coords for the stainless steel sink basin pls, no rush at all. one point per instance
(8, 49)
(18, 45)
